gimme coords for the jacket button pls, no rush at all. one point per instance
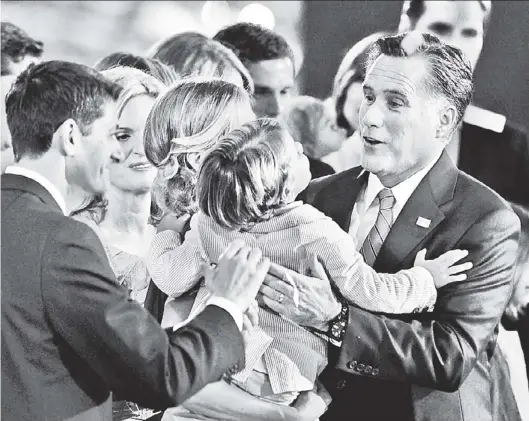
(360, 367)
(340, 384)
(368, 369)
(351, 365)
(375, 372)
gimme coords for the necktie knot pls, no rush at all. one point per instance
(386, 198)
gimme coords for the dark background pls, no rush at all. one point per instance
(502, 74)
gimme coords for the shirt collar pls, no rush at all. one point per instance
(401, 191)
(43, 181)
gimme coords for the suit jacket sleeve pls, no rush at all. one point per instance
(438, 350)
(121, 341)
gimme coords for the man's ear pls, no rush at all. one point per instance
(447, 123)
(193, 159)
(68, 138)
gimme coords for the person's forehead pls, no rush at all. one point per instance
(455, 13)
(276, 73)
(403, 74)
(135, 108)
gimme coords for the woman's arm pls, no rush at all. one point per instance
(223, 401)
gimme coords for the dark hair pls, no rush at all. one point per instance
(152, 67)
(16, 45)
(193, 54)
(414, 9)
(352, 69)
(45, 95)
(254, 43)
(450, 75)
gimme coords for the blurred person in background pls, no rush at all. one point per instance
(70, 334)
(312, 123)
(193, 54)
(346, 97)
(486, 146)
(270, 61)
(152, 67)
(19, 50)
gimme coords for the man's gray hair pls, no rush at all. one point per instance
(450, 75)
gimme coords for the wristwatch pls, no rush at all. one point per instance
(337, 325)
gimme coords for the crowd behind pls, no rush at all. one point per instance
(200, 144)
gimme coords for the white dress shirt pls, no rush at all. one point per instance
(43, 181)
(223, 303)
(365, 211)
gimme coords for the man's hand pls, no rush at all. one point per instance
(250, 320)
(238, 275)
(305, 300)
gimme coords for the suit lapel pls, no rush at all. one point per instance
(337, 199)
(28, 185)
(436, 189)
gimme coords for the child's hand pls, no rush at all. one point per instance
(173, 223)
(443, 269)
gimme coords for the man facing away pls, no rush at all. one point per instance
(70, 335)
(486, 145)
(19, 50)
(435, 365)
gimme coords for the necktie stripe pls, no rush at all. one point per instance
(380, 230)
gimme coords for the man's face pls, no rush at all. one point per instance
(88, 168)
(398, 119)
(458, 23)
(273, 80)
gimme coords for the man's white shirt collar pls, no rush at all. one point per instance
(401, 191)
(43, 181)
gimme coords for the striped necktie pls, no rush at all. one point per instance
(380, 230)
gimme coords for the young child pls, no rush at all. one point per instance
(246, 189)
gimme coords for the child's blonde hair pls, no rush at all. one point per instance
(245, 177)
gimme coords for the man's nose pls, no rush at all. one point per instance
(274, 106)
(372, 116)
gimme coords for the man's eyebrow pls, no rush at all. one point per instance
(396, 92)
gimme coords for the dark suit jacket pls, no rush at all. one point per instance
(499, 160)
(429, 366)
(70, 335)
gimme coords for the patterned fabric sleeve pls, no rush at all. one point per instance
(407, 291)
(174, 267)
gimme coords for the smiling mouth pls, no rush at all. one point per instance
(141, 166)
(371, 141)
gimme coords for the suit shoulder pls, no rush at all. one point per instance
(480, 196)
(321, 183)
(73, 231)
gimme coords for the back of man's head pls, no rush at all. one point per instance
(45, 95)
(254, 43)
(450, 74)
(16, 46)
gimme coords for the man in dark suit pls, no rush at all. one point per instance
(486, 146)
(409, 196)
(70, 335)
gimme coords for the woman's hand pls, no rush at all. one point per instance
(444, 269)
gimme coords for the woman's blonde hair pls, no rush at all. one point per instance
(183, 126)
(134, 83)
(245, 178)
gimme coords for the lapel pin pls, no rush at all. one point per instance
(423, 222)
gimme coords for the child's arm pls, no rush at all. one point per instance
(404, 292)
(175, 267)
